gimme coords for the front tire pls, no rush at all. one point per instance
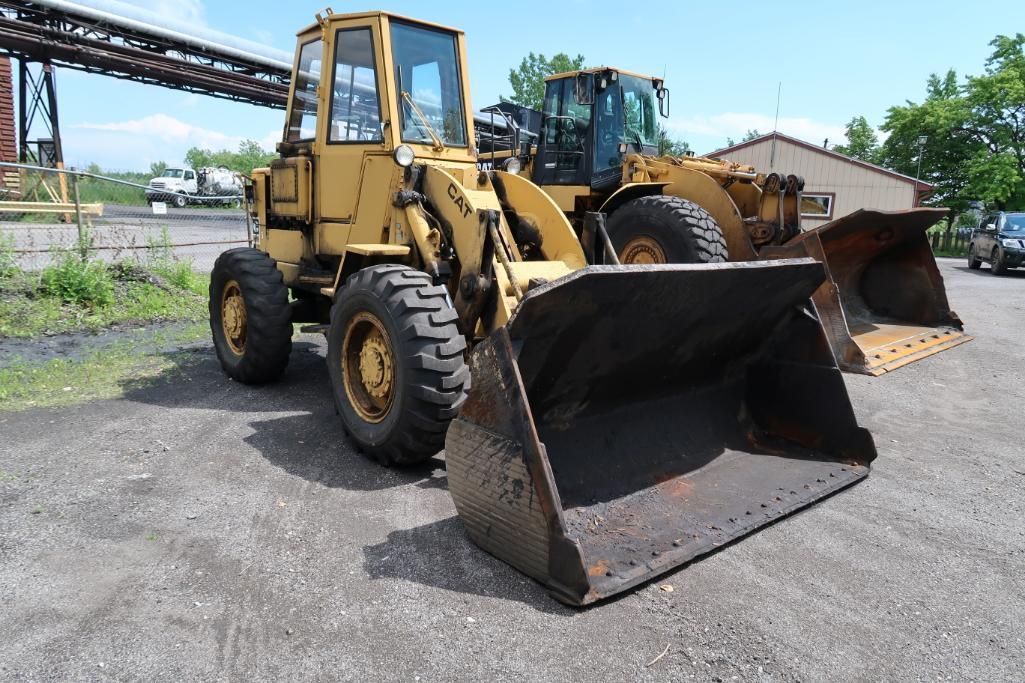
(395, 357)
(250, 317)
(997, 263)
(974, 262)
(666, 229)
(179, 201)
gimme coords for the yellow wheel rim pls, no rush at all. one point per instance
(368, 367)
(233, 317)
(642, 250)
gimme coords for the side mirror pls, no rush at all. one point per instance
(663, 102)
(583, 88)
(991, 227)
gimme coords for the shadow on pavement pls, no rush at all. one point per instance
(440, 554)
(309, 443)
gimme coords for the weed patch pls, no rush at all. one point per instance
(105, 373)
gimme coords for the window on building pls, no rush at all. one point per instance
(817, 205)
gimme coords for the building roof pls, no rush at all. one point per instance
(911, 180)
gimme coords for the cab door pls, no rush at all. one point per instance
(350, 126)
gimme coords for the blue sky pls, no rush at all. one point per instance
(722, 62)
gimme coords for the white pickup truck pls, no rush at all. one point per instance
(181, 186)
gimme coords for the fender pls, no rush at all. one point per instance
(629, 192)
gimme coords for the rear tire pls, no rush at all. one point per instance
(395, 357)
(665, 229)
(997, 262)
(974, 262)
(250, 318)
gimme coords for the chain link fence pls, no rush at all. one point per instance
(53, 211)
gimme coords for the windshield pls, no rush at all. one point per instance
(639, 110)
(172, 173)
(1014, 223)
(426, 68)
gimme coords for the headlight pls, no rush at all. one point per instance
(512, 165)
(403, 155)
(1013, 244)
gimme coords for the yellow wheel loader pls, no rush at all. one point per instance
(621, 420)
(883, 302)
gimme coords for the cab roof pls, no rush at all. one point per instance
(375, 13)
(599, 69)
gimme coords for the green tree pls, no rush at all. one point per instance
(751, 134)
(528, 80)
(249, 156)
(976, 133)
(670, 146)
(995, 121)
(157, 168)
(940, 119)
(862, 142)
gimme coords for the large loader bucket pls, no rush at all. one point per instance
(631, 418)
(884, 304)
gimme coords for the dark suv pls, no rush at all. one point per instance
(1000, 241)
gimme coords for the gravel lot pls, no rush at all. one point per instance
(206, 530)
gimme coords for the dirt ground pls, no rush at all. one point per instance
(205, 530)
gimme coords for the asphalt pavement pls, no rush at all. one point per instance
(200, 529)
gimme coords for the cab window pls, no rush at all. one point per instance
(302, 122)
(427, 68)
(355, 108)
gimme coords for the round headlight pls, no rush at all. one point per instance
(404, 155)
(512, 165)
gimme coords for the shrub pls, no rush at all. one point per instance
(8, 259)
(80, 281)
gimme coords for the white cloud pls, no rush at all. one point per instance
(735, 124)
(191, 12)
(169, 130)
(135, 144)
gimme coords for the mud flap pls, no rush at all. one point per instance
(629, 419)
(884, 304)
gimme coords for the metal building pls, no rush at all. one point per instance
(835, 185)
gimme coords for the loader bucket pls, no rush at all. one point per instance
(884, 304)
(631, 418)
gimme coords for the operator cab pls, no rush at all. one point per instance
(591, 120)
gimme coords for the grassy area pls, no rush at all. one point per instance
(105, 373)
(75, 294)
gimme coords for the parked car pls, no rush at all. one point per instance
(1000, 241)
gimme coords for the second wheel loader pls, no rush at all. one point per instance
(601, 424)
(883, 302)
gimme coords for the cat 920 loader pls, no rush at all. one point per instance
(883, 302)
(621, 419)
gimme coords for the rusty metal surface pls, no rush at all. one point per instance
(657, 413)
(885, 304)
